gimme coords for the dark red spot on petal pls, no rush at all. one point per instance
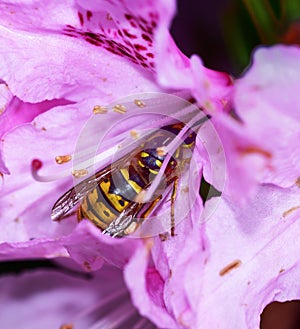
(146, 37)
(129, 17)
(129, 35)
(154, 24)
(133, 24)
(150, 55)
(80, 16)
(139, 47)
(142, 19)
(89, 14)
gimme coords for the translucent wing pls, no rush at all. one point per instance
(72, 197)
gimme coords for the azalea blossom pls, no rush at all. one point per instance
(68, 64)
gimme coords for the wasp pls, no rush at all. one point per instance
(111, 199)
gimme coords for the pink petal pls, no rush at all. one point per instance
(266, 99)
(89, 247)
(141, 295)
(211, 89)
(26, 203)
(223, 274)
(59, 66)
(34, 249)
(251, 249)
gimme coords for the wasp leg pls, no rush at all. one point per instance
(173, 197)
(79, 214)
(118, 227)
(152, 205)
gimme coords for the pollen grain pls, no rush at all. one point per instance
(98, 109)
(79, 173)
(67, 326)
(231, 266)
(119, 108)
(134, 134)
(139, 103)
(286, 213)
(61, 159)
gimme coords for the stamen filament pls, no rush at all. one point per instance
(108, 156)
(37, 164)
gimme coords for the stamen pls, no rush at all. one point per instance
(61, 159)
(79, 173)
(67, 326)
(139, 103)
(119, 108)
(134, 134)
(233, 265)
(98, 109)
(108, 156)
(37, 164)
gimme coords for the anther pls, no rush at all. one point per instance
(139, 103)
(119, 108)
(67, 326)
(98, 109)
(60, 159)
(36, 164)
(233, 265)
(134, 134)
(79, 173)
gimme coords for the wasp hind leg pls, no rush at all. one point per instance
(173, 198)
(125, 223)
(79, 214)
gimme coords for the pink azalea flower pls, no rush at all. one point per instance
(266, 99)
(63, 297)
(61, 61)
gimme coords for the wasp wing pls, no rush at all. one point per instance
(73, 196)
